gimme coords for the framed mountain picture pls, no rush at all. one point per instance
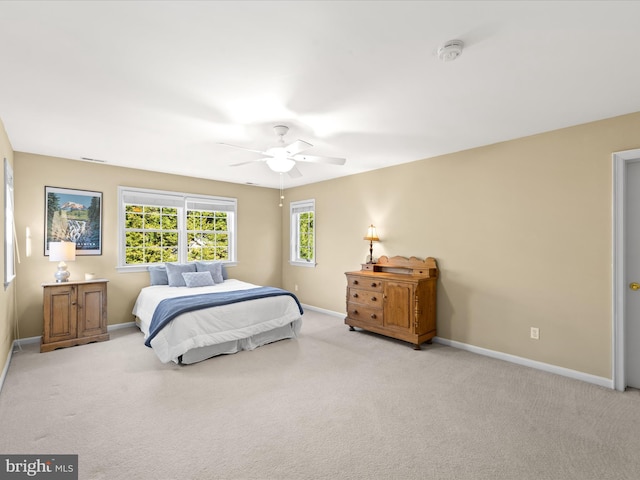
(74, 216)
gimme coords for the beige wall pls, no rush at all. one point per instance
(521, 231)
(7, 295)
(259, 232)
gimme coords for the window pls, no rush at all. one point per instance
(158, 227)
(9, 234)
(303, 233)
(208, 230)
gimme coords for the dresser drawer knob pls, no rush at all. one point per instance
(374, 284)
(355, 282)
(355, 295)
(355, 312)
(373, 299)
(373, 316)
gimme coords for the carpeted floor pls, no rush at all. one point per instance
(332, 404)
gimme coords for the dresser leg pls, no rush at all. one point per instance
(351, 329)
(416, 346)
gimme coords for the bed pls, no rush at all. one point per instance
(180, 326)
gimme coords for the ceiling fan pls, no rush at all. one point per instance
(282, 158)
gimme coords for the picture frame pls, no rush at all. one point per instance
(73, 215)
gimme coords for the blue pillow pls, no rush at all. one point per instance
(158, 275)
(225, 276)
(175, 271)
(197, 279)
(215, 268)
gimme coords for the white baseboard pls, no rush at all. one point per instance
(322, 310)
(119, 326)
(6, 367)
(26, 341)
(546, 367)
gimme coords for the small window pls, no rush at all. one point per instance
(158, 227)
(303, 233)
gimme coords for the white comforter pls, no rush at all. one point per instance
(214, 325)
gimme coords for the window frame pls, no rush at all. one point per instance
(9, 226)
(182, 202)
(295, 209)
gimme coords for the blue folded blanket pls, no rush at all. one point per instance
(169, 308)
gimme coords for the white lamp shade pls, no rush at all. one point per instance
(62, 251)
(372, 235)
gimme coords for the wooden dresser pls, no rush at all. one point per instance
(75, 313)
(395, 297)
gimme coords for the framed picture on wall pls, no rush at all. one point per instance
(74, 216)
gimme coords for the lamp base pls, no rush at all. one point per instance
(62, 274)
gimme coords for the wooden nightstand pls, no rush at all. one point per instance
(75, 313)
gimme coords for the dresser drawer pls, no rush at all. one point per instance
(364, 313)
(365, 283)
(371, 298)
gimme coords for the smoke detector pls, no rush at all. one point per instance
(450, 50)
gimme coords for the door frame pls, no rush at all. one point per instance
(618, 291)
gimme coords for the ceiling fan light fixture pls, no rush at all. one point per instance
(282, 158)
(280, 164)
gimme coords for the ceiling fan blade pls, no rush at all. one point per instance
(316, 159)
(250, 161)
(244, 148)
(297, 147)
(295, 173)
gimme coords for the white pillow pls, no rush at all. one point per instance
(197, 279)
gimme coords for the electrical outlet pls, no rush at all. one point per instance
(535, 333)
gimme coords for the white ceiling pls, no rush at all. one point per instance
(157, 85)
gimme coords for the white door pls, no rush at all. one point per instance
(632, 269)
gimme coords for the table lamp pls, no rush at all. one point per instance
(62, 252)
(372, 236)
